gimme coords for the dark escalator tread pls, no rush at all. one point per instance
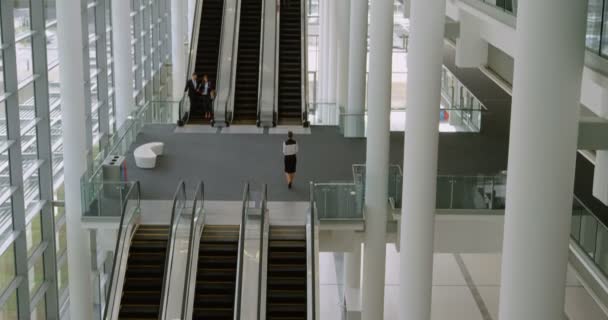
(142, 287)
(216, 274)
(286, 282)
(290, 65)
(247, 72)
(207, 53)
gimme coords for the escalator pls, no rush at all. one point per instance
(248, 60)
(290, 64)
(216, 274)
(143, 284)
(287, 276)
(207, 54)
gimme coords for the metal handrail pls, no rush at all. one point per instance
(241, 251)
(192, 54)
(235, 54)
(180, 194)
(262, 270)
(311, 263)
(118, 251)
(261, 60)
(277, 53)
(197, 219)
(304, 51)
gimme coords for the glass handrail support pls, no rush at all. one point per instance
(154, 112)
(129, 218)
(312, 253)
(178, 208)
(263, 266)
(226, 76)
(197, 222)
(184, 106)
(241, 251)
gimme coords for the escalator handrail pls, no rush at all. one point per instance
(180, 194)
(311, 298)
(233, 62)
(261, 59)
(121, 238)
(304, 57)
(198, 7)
(262, 276)
(196, 221)
(241, 250)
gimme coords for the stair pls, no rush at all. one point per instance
(142, 290)
(286, 287)
(290, 64)
(216, 275)
(247, 69)
(207, 50)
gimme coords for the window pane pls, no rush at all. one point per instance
(1, 74)
(61, 239)
(91, 18)
(51, 45)
(62, 277)
(9, 310)
(39, 313)
(7, 267)
(33, 235)
(49, 10)
(24, 59)
(22, 16)
(36, 275)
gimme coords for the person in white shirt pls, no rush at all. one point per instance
(290, 149)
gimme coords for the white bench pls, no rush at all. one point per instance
(145, 155)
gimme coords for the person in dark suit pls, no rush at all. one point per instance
(193, 87)
(207, 92)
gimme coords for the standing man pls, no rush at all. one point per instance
(207, 92)
(193, 87)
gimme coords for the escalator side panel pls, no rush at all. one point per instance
(290, 63)
(207, 55)
(216, 274)
(143, 282)
(286, 281)
(248, 61)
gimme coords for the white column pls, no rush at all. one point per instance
(323, 56)
(549, 56)
(178, 52)
(352, 267)
(357, 68)
(72, 87)
(378, 144)
(332, 63)
(342, 34)
(123, 61)
(420, 165)
(600, 176)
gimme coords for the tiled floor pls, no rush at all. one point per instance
(452, 297)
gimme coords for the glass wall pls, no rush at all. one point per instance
(33, 244)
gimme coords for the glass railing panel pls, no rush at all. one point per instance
(395, 185)
(323, 114)
(339, 201)
(106, 198)
(129, 210)
(601, 248)
(509, 6)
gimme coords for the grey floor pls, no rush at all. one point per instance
(225, 161)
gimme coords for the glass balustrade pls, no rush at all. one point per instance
(339, 201)
(155, 112)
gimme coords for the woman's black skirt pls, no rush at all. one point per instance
(290, 164)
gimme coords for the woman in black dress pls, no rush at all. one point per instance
(290, 149)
